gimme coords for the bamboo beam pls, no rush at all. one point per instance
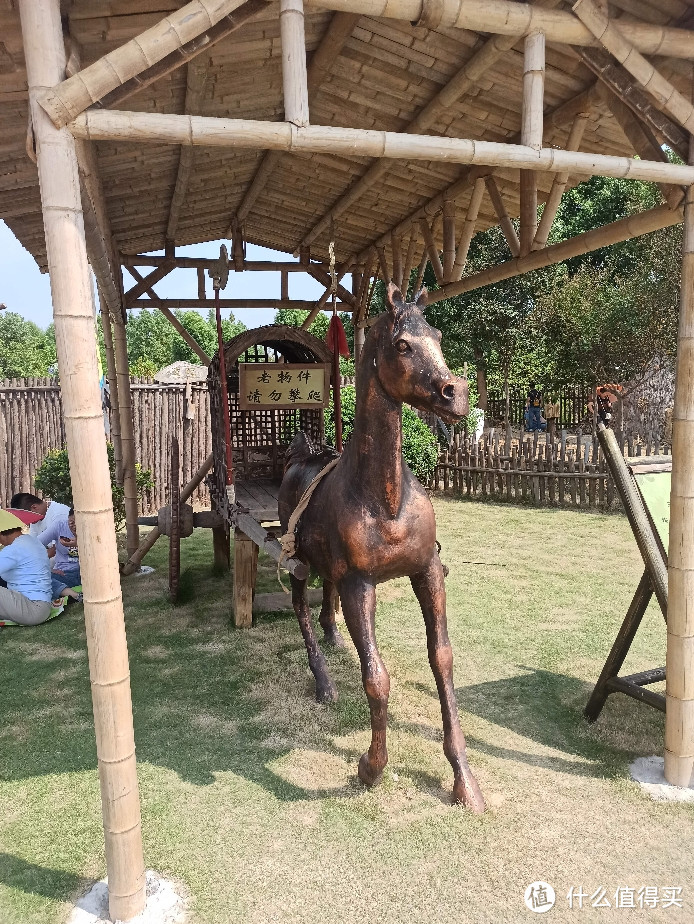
(149, 280)
(383, 264)
(127, 437)
(340, 28)
(75, 334)
(66, 100)
(468, 231)
(507, 17)
(420, 272)
(192, 343)
(505, 222)
(102, 125)
(204, 263)
(175, 304)
(613, 76)
(409, 260)
(559, 185)
(431, 249)
(679, 682)
(318, 306)
(614, 233)
(295, 88)
(321, 275)
(396, 251)
(195, 88)
(448, 239)
(642, 141)
(653, 82)
(531, 133)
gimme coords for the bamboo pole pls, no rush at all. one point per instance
(507, 17)
(66, 100)
(71, 291)
(448, 239)
(105, 125)
(127, 437)
(679, 684)
(396, 251)
(615, 41)
(294, 82)
(112, 389)
(505, 222)
(468, 231)
(559, 185)
(531, 133)
(174, 304)
(431, 249)
(614, 233)
(196, 79)
(409, 260)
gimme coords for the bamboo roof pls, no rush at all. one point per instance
(383, 76)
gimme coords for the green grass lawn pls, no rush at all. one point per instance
(248, 787)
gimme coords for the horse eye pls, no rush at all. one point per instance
(402, 346)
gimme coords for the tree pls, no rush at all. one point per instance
(25, 349)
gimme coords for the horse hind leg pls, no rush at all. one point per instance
(326, 619)
(326, 691)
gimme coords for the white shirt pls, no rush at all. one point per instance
(55, 512)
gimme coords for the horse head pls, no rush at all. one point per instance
(409, 362)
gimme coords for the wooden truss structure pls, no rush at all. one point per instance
(400, 127)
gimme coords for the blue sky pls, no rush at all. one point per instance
(25, 290)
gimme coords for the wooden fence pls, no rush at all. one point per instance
(31, 424)
(535, 469)
(572, 400)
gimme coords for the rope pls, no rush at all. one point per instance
(288, 540)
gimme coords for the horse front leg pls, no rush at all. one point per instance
(359, 607)
(431, 593)
(326, 691)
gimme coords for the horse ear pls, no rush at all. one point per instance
(421, 297)
(394, 298)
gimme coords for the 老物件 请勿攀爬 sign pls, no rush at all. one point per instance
(283, 385)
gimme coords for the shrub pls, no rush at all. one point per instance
(419, 445)
(53, 479)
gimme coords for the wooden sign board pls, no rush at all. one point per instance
(283, 385)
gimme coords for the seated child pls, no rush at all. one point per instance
(25, 569)
(65, 560)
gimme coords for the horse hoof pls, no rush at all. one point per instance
(326, 693)
(466, 791)
(366, 773)
(334, 638)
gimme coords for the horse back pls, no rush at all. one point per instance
(302, 463)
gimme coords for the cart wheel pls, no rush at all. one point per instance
(175, 534)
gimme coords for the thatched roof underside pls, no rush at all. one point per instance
(386, 72)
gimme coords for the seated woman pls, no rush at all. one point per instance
(25, 569)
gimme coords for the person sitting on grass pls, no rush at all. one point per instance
(64, 555)
(47, 511)
(26, 572)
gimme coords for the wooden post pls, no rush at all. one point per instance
(294, 81)
(127, 437)
(112, 389)
(679, 688)
(245, 564)
(559, 184)
(220, 545)
(468, 229)
(71, 291)
(531, 133)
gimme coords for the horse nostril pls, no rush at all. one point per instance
(448, 392)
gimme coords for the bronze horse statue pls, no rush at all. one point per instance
(370, 520)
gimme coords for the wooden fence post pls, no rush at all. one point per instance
(127, 437)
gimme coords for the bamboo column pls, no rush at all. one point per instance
(112, 389)
(531, 134)
(505, 222)
(71, 292)
(468, 231)
(448, 238)
(679, 685)
(127, 438)
(294, 82)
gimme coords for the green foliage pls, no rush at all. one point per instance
(25, 349)
(53, 479)
(419, 445)
(153, 343)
